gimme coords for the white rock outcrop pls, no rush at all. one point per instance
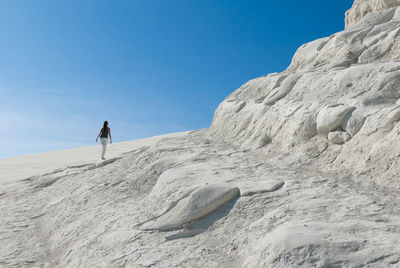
(348, 82)
(361, 8)
(198, 204)
(267, 185)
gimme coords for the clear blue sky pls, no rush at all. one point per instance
(149, 67)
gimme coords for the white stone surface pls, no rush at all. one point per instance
(332, 117)
(198, 204)
(354, 122)
(338, 137)
(361, 8)
(250, 187)
(339, 206)
(359, 68)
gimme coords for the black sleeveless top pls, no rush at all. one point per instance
(104, 133)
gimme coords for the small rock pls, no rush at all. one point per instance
(338, 137)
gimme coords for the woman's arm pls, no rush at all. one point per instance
(98, 136)
(109, 134)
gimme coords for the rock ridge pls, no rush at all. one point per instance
(361, 8)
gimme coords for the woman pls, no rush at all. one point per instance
(104, 133)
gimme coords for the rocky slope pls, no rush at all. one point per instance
(337, 102)
(298, 169)
(362, 7)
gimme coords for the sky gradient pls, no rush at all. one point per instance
(149, 67)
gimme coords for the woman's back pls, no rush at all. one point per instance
(104, 133)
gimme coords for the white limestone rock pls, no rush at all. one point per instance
(316, 244)
(264, 131)
(359, 67)
(361, 8)
(281, 88)
(259, 187)
(198, 204)
(394, 115)
(338, 137)
(332, 117)
(354, 122)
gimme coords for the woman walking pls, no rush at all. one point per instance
(104, 133)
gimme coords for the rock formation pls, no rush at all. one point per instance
(345, 86)
(298, 169)
(361, 8)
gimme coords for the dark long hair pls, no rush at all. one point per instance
(105, 127)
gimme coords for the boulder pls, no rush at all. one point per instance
(332, 117)
(198, 204)
(353, 122)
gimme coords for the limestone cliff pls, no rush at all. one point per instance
(361, 8)
(337, 104)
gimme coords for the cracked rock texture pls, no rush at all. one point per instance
(298, 169)
(361, 8)
(346, 86)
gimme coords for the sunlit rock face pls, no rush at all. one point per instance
(361, 8)
(342, 90)
(298, 169)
